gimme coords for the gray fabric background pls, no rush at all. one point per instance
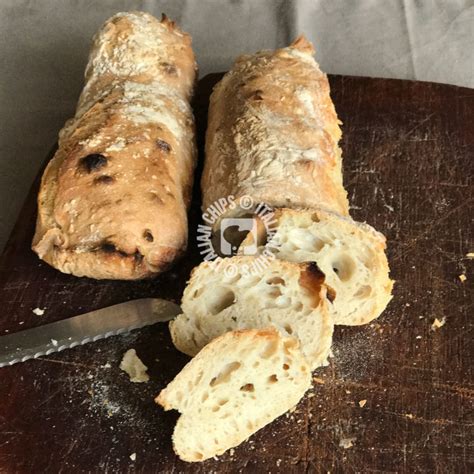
(44, 45)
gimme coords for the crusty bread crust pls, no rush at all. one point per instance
(237, 384)
(273, 132)
(113, 199)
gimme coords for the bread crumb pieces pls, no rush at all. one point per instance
(418, 337)
(133, 456)
(462, 277)
(134, 367)
(106, 366)
(362, 403)
(346, 443)
(278, 462)
(409, 415)
(470, 255)
(319, 380)
(54, 342)
(39, 311)
(438, 323)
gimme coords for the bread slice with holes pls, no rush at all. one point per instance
(350, 254)
(246, 293)
(237, 384)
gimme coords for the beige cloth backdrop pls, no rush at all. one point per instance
(44, 44)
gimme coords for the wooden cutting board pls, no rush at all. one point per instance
(397, 396)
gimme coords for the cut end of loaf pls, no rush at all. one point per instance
(237, 384)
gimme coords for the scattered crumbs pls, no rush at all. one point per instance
(463, 277)
(470, 255)
(348, 392)
(39, 311)
(409, 415)
(420, 317)
(106, 366)
(311, 395)
(134, 367)
(346, 443)
(231, 451)
(21, 322)
(319, 380)
(362, 403)
(278, 462)
(54, 342)
(133, 456)
(407, 305)
(438, 323)
(418, 337)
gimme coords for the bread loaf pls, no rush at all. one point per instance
(113, 200)
(350, 254)
(273, 134)
(237, 384)
(227, 294)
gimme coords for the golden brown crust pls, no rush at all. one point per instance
(273, 132)
(112, 202)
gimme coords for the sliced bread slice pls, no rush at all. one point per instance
(237, 384)
(226, 294)
(351, 255)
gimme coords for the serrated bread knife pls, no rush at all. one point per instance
(87, 327)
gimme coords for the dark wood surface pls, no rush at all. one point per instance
(408, 156)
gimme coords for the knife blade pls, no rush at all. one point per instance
(88, 327)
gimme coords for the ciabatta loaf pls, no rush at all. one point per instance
(237, 384)
(350, 254)
(273, 134)
(226, 294)
(113, 200)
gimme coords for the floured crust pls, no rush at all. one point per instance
(273, 132)
(113, 199)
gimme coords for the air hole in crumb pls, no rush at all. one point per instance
(248, 387)
(273, 378)
(198, 455)
(225, 374)
(288, 329)
(286, 367)
(219, 299)
(223, 401)
(298, 306)
(204, 397)
(344, 267)
(314, 217)
(269, 350)
(363, 292)
(276, 281)
(275, 293)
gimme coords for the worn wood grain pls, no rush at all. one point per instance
(408, 156)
